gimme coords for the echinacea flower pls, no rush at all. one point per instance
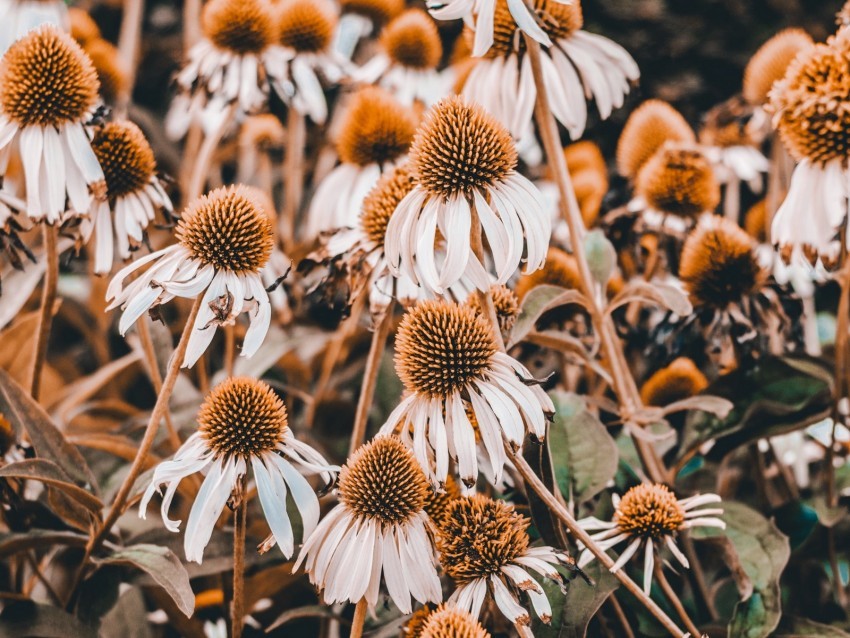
(449, 622)
(19, 17)
(505, 303)
(484, 548)
(229, 64)
(224, 243)
(305, 56)
(82, 26)
(374, 135)
(48, 93)
(769, 64)
(447, 359)
(464, 163)
(649, 127)
(379, 526)
(406, 64)
(649, 514)
(812, 114)
(679, 380)
(241, 422)
(133, 193)
(576, 66)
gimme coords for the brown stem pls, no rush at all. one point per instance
(194, 139)
(191, 23)
(621, 616)
(584, 538)
(144, 330)
(128, 47)
(698, 574)
(485, 297)
(229, 348)
(359, 619)
(293, 175)
(370, 377)
(204, 158)
(48, 300)
(240, 517)
(661, 579)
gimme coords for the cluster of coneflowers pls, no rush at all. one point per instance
(431, 196)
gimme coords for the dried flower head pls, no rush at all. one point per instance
(558, 20)
(679, 380)
(46, 79)
(718, 266)
(125, 156)
(227, 229)
(505, 302)
(110, 69)
(307, 26)
(811, 103)
(375, 129)
(412, 40)
(678, 181)
(651, 125)
(378, 11)
(448, 622)
(382, 200)
(441, 347)
(242, 417)
(83, 28)
(240, 26)
(771, 61)
(460, 147)
(437, 502)
(561, 269)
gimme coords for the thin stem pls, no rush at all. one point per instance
(48, 299)
(584, 538)
(293, 175)
(144, 330)
(621, 616)
(240, 518)
(370, 376)
(229, 348)
(205, 155)
(128, 46)
(359, 619)
(191, 23)
(191, 147)
(485, 297)
(698, 574)
(732, 199)
(661, 579)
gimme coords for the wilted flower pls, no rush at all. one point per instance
(379, 526)
(374, 135)
(134, 193)
(447, 359)
(577, 65)
(241, 421)
(650, 515)
(224, 243)
(484, 547)
(48, 93)
(464, 163)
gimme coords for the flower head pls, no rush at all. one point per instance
(653, 124)
(650, 514)
(679, 380)
(412, 40)
(378, 11)
(505, 303)
(376, 129)
(240, 26)
(678, 181)
(306, 26)
(449, 622)
(83, 27)
(560, 269)
(381, 202)
(769, 64)
(378, 526)
(125, 156)
(559, 20)
(242, 421)
(483, 546)
(110, 69)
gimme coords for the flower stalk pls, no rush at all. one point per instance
(48, 300)
(240, 518)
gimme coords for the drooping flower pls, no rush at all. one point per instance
(484, 547)
(374, 136)
(650, 515)
(378, 527)
(577, 65)
(447, 359)
(133, 193)
(464, 163)
(224, 243)
(48, 93)
(242, 422)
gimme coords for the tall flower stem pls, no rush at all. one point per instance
(48, 299)
(293, 175)
(144, 329)
(128, 46)
(623, 382)
(191, 23)
(205, 154)
(485, 297)
(662, 581)
(359, 619)
(370, 376)
(584, 538)
(240, 519)
(229, 348)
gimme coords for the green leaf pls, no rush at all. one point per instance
(538, 301)
(756, 553)
(571, 612)
(584, 455)
(163, 567)
(778, 395)
(26, 618)
(600, 254)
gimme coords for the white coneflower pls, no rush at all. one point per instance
(48, 92)
(360, 18)
(241, 422)
(374, 135)
(407, 63)
(378, 527)
(812, 113)
(484, 547)
(305, 56)
(447, 359)
(224, 243)
(650, 515)
(577, 66)
(134, 193)
(230, 64)
(445, 622)
(19, 17)
(464, 163)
